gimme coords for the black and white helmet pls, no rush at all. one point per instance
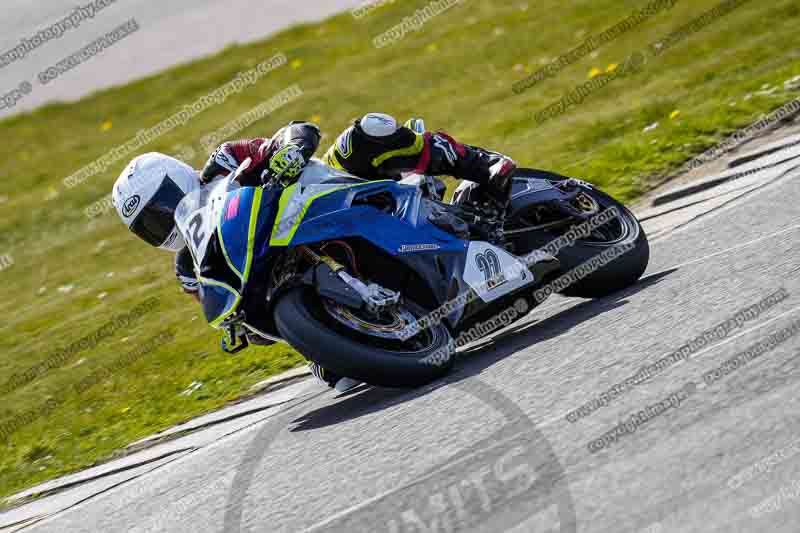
(147, 193)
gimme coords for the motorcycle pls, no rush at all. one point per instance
(375, 279)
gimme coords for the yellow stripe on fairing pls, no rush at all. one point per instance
(220, 319)
(284, 201)
(250, 237)
(225, 250)
(251, 234)
(286, 195)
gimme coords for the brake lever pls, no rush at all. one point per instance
(272, 180)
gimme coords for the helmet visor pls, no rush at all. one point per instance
(157, 220)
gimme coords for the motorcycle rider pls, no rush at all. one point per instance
(374, 147)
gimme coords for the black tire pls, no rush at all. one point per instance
(302, 319)
(618, 274)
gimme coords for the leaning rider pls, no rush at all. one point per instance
(374, 147)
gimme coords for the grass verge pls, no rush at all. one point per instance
(69, 274)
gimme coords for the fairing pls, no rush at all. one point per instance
(233, 232)
(229, 222)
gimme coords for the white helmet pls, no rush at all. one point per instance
(147, 193)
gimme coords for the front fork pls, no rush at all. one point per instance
(333, 281)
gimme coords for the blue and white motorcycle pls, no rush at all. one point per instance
(375, 279)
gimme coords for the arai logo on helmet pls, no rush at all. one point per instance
(130, 205)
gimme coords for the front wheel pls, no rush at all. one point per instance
(361, 345)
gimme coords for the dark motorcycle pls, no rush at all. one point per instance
(375, 279)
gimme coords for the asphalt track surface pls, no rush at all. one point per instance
(489, 449)
(171, 32)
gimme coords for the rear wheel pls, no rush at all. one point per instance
(623, 233)
(362, 345)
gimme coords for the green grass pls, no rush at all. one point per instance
(457, 73)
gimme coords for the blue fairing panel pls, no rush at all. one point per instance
(244, 228)
(218, 301)
(331, 217)
(246, 220)
(266, 218)
(234, 228)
